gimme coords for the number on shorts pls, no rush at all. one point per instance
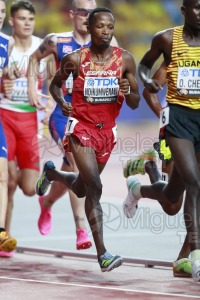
(164, 117)
(70, 125)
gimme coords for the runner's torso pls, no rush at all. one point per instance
(19, 98)
(183, 73)
(96, 97)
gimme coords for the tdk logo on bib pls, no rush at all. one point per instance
(101, 89)
(102, 82)
(90, 82)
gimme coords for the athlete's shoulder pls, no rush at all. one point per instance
(164, 33)
(118, 50)
(124, 51)
(5, 36)
(36, 39)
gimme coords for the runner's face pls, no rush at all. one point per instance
(192, 14)
(80, 15)
(102, 29)
(23, 23)
(2, 13)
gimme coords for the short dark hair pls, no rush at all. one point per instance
(22, 4)
(185, 2)
(96, 10)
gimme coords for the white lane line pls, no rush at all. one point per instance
(101, 288)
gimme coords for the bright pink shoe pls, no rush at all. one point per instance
(44, 221)
(6, 254)
(83, 241)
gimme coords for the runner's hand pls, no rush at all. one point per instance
(7, 87)
(67, 109)
(35, 99)
(124, 86)
(153, 85)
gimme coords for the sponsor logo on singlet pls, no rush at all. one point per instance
(67, 49)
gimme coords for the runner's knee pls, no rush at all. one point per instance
(95, 189)
(28, 190)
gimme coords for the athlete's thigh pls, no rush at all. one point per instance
(184, 157)
(70, 162)
(3, 169)
(85, 159)
(28, 179)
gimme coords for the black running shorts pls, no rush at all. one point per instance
(184, 123)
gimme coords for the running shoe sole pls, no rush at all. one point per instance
(84, 245)
(115, 264)
(43, 183)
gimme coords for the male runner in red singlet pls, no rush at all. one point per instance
(102, 75)
(60, 44)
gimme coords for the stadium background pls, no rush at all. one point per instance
(136, 23)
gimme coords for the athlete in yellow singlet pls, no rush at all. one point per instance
(180, 48)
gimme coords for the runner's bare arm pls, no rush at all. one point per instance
(46, 50)
(152, 98)
(69, 64)
(161, 45)
(128, 84)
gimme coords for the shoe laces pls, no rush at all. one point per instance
(106, 256)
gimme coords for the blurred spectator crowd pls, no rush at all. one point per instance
(136, 20)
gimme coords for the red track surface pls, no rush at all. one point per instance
(36, 276)
(31, 276)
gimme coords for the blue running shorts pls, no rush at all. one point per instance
(57, 123)
(3, 144)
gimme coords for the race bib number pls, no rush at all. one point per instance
(188, 81)
(99, 90)
(164, 117)
(19, 91)
(71, 123)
